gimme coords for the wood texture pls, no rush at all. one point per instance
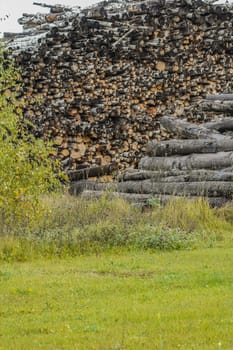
(186, 189)
(179, 175)
(194, 161)
(185, 147)
(184, 129)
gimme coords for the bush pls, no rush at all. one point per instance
(26, 168)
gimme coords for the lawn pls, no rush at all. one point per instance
(119, 300)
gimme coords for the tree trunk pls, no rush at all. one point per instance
(83, 174)
(185, 147)
(179, 176)
(188, 130)
(217, 106)
(225, 124)
(220, 97)
(202, 188)
(213, 161)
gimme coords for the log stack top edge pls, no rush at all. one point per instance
(97, 80)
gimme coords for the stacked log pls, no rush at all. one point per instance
(97, 81)
(192, 168)
(197, 167)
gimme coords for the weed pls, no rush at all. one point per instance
(68, 226)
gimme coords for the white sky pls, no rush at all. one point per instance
(15, 9)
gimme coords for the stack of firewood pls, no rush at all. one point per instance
(97, 81)
(197, 164)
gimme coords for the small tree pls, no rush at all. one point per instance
(27, 169)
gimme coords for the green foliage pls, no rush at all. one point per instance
(26, 168)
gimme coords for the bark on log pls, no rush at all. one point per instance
(179, 176)
(83, 174)
(201, 189)
(223, 125)
(185, 129)
(185, 147)
(195, 161)
(220, 97)
(217, 106)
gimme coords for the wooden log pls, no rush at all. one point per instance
(223, 106)
(178, 176)
(185, 147)
(188, 130)
(202, 188)
(223, 125)
(195, 161)
(220, 97)
(53, 8)
(83, 174)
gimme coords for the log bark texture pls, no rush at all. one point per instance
(186, 130)
(186, 189)
(223, 106)
(222, 125)
(185, 147)
(85, 173)
(220, 97)
(194, 161)
(179, 175)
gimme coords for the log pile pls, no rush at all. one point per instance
(97, 80)
(200, 165)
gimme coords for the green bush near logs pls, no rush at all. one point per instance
(27, 169)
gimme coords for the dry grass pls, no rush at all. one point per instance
(67, 226)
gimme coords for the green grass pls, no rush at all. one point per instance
(122, 300)
(104, 275)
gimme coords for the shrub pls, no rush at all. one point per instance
(26, 168)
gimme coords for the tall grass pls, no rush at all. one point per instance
(67, 226)
(195, 215)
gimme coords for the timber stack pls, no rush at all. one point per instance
(98, 80)
(197, 164)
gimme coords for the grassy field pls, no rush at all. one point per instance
(122, 300)
(104, 275)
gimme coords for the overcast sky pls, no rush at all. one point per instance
(15, 8)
